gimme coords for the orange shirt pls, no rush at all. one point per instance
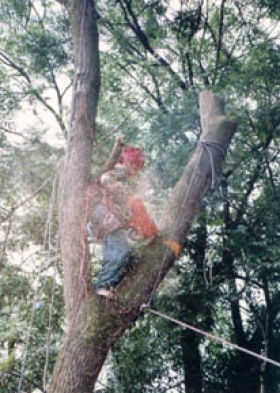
(140, 219)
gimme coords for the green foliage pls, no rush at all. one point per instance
(144, 360)
(272, 7)
(34, 49)
(34, 53)
(154, 63)
(21, 311)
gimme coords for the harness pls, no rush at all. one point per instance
(108, 214)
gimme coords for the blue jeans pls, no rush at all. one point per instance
(117, 257)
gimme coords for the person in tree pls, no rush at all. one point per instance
(119, 219)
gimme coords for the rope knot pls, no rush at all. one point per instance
(206, 145)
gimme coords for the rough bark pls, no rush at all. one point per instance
(94, 323)
(74, 365)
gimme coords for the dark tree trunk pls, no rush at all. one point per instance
(196, 302)
(191, 362)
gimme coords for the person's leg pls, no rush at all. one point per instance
(118, 256)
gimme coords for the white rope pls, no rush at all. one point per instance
(28, 337)
(48, 228)
(229, 344)
(48, 234)
(50, 323)
(206, 145)
(47, 239)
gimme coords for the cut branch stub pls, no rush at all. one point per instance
(185, 200)
(210, 107)
(116, 152)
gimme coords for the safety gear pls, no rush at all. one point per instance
(104, 221)
(132, 155)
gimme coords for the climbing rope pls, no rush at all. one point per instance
(50, 322)
(184, 325)
(46, 245)
(28, 337)
(206, 145)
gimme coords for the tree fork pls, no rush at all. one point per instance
(95, 323)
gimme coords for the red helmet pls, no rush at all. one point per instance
(133, 155)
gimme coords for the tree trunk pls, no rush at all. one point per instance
(191, 361)
(94, 323)
(194, 303)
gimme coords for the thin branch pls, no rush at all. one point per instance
(11, 132)
(115, 153)
(128, 116)
(50, 324)
(212, 33)
(204, 75)
(270, 176)
(40, 20)
(246, 193)
(6, 60)
(140, 34)
(248, 280)
(220, 36)
(66, 88)
(6, 239)
(56, 88)
(157, 89)
(16, 207)
(144, 87)
(16, 373)
(244, 22)
(146, 6)
(190, 68)
(112, 29)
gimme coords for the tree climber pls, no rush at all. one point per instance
(119, 220)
